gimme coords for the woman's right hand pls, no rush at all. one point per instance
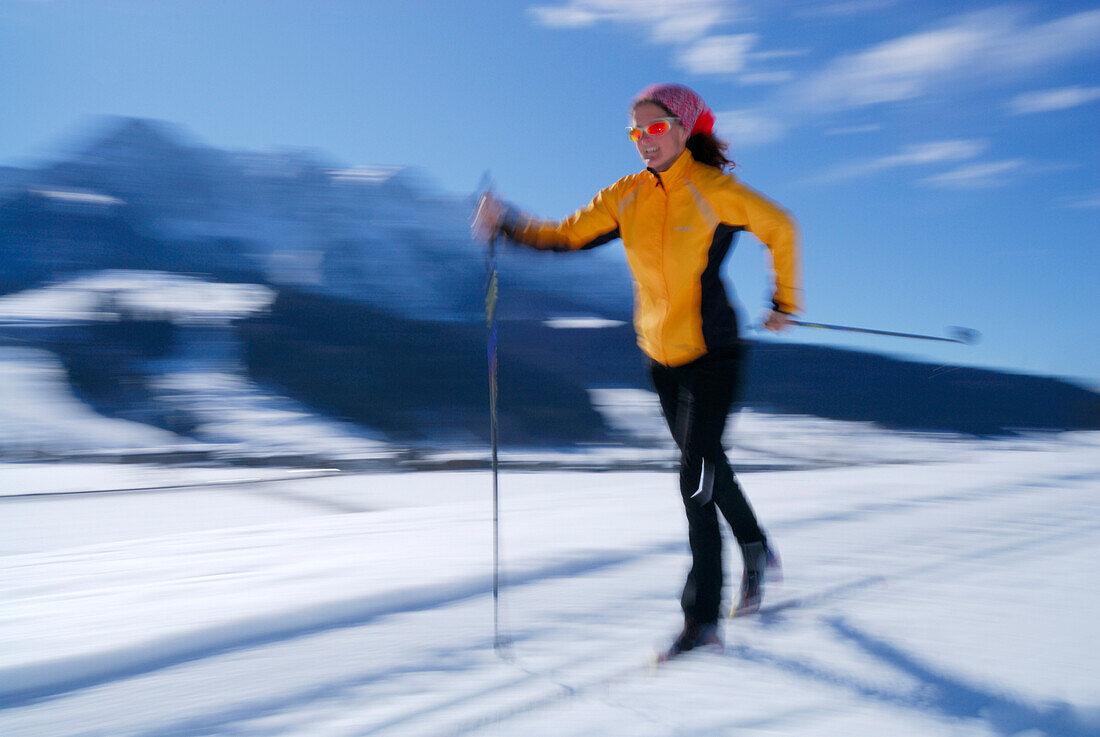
(486, 221)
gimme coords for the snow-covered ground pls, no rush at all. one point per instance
(934, 586)
(40, 416)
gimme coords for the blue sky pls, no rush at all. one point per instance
(940, 156)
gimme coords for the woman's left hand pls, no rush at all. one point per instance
(777, 321)
(486, 220)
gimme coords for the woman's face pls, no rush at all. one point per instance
(658, 152)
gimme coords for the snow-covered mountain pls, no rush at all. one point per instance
(383, 236)
(378, 252)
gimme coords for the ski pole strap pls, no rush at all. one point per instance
(491, 298)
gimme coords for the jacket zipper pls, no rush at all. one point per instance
(662, 334)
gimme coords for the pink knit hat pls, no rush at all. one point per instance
(682, 102)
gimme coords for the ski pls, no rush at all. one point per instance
(662, 657)
(773, 607)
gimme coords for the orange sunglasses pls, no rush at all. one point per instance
(653, 128)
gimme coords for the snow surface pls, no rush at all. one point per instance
(934, 586)
(40, 412)
(41, 418)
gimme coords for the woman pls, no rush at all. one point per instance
(677, 220)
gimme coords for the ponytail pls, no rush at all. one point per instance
(710, 150)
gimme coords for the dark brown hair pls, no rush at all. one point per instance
(706, 148)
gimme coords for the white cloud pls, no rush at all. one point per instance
(765, 78)
(1044, 101)
(960, 54)
(1083, 202)
(732, 54)
(687, 25)
(779, 54)
(667, 21)
(748, 127)
(843, 8)
(718, 54)
(976, 176)
(565, 16)
(994, 44)
(1052, 42)
(918, 154)
(933, 153)
(896, 70)
(851, 130)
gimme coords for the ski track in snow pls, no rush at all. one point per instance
(24, 684)
(416, 658)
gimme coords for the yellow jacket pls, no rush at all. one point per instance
(677, 227)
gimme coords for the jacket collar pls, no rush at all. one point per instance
(677, 171)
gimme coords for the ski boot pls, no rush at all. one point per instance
(760, 563)
(694, 635)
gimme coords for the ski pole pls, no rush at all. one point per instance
(965, 336)
(491, 292)
(491, 322)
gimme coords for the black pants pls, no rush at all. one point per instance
(696, 399)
